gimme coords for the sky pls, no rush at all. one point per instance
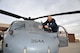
(36, 8)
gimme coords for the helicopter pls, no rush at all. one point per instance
(26, 37)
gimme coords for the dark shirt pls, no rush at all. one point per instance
(52, 24)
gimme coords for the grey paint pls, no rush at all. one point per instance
(26, 34)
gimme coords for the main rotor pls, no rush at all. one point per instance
(29, 18)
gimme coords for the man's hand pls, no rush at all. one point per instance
(46, 26)
(40, 27)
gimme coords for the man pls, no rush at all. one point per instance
(50, 25)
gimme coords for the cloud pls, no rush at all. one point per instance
(36, 8)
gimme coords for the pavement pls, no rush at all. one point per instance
(72, 48)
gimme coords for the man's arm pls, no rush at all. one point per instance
(45, 25)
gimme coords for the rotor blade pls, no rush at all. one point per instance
(11, 14)
(17, 16)
(65, 13)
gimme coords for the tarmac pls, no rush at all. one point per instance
(72, 48)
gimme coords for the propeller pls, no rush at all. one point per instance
(64, 13)
(17, 16)
(12, 15)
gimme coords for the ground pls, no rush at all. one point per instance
(72, 48)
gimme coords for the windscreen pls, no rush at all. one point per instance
(17, 25)
(28, 26)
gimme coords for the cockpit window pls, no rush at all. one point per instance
(18, 25)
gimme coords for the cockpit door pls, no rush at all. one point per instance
(63, 37)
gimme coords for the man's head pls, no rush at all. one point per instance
(49, 18)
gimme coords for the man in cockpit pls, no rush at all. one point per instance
(50, 25)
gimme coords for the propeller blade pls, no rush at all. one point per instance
(11, 14)
(65, 13)
(17, 16)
